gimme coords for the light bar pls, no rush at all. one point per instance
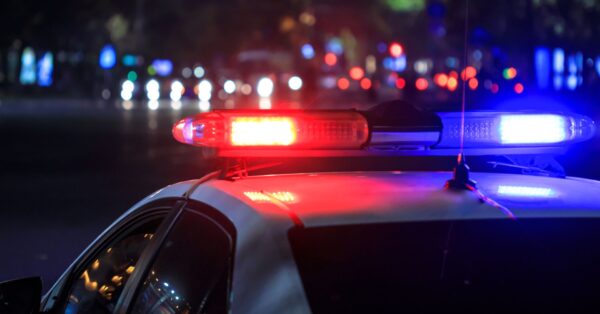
(497, 129)
(228, 129)
(329, 133)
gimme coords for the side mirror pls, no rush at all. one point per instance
(21, 295)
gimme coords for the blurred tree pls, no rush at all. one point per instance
(406, 5)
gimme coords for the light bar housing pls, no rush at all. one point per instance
(274, 130)
(390, 132)
(513, 129)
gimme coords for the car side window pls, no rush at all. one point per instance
(191, 271)
(98, 286)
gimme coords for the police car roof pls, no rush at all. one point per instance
(325, 199)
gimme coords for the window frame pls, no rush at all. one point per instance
(133, 286)
(228, 227)
(166, 208)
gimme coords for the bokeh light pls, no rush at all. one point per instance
(229, 87)
(264, 87)
(343, 83)
(421, 84)
(365, 83)
(199, 72)
(356, 73)
(295, 83)
(400, 83)
(330, 59)
(509, 73)
(468, 73)
(519, 88)
(108, 57)
(205, 90)
(177, 91)
(473, 83)
(396, 49)
(308, 52)
(452, 84)
(441, 79)
(153, 90)
(495, 88)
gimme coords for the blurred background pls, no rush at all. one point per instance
(89, 90)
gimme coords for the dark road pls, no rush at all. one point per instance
(70, 168)
(67, 174)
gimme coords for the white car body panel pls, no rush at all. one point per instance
(264, 208)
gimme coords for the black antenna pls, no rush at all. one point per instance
(460, 180)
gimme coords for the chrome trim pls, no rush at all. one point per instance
(422, 138)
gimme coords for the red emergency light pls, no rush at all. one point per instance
(229, 129)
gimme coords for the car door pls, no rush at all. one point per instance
(191, 272)
(96, 282)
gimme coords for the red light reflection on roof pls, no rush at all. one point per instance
(270, 197)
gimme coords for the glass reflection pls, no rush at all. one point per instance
(162, 296)
(99, 286)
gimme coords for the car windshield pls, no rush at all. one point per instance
(526, 265)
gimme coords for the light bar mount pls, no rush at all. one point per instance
(461, 178)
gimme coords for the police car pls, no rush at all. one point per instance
(355, 241)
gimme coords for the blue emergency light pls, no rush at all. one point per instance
(512, 129)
